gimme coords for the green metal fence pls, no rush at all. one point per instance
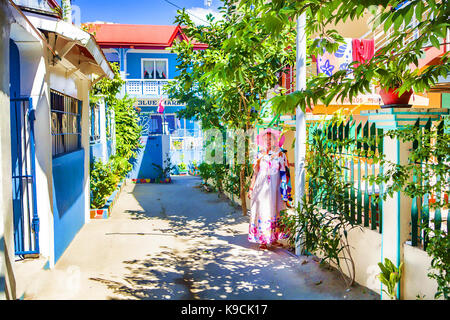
(362, 142)
(423, 214)
(354, 144)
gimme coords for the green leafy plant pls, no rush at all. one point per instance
(220, 172)
(206, 172)
(213, 175)
(393, 76)
(429, 157)
(390, 276)
(182, 166)
(393, 17)
(103, 182)
(104, 177)
(438, 248)
(225, 85)
(322, 220)
(233, 181)
(164, 171)
(66, 9)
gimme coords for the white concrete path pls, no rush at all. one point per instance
(177, 242)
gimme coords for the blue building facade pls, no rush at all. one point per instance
(147, 66)
(45, 134)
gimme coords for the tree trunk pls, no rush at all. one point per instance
(243, 177)
(243, 192)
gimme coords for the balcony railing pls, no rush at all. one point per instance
(146, 87)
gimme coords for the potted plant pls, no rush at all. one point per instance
(182, 168)
(164, 172)
(390, 78)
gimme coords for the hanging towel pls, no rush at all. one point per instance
(330, 63)
(363, 50)
(285, 176)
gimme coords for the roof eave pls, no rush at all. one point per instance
(81, 37)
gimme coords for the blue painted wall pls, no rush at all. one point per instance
(95, 151)
(16, 137)
(109, 148)
(14, 70)
(68, 199)
(134, 66)
(150, 153)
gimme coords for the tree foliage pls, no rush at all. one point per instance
(405, 44)
(104, 177)
(224, 86)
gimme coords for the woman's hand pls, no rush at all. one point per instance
(249, 193)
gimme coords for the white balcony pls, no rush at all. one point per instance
(146, 87)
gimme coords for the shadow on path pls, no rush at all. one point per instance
(204, 254)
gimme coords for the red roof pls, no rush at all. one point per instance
(137, 36)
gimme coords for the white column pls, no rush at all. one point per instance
(102, 129)
(300, 121)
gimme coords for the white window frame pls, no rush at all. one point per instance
(154, 59)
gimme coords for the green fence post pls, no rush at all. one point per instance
(380, 187)
(352, 135)
(366, 169)
(425, 214)
(373, 147)
(359, 197)
(347, 168)
(414, 209)
(437, 214)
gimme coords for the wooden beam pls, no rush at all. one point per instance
(66, 49)
(90, 67)
(71, 72)
(51, 42)
(73, 69)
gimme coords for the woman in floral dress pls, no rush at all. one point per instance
(265, 192)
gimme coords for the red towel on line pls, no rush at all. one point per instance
(363, 50)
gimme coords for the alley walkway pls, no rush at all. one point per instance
(178, 242)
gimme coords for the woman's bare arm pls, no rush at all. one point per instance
(252, 183)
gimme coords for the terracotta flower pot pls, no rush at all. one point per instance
(391, 97)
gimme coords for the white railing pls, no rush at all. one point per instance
(382, 38)
(146, 86)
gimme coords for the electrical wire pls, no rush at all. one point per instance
(177, 6)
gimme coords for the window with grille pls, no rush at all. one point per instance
(66, 123)
(109, 122)
(95, 123)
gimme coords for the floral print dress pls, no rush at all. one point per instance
(267, 201)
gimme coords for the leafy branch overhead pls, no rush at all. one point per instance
(411, 27)
(225, 85)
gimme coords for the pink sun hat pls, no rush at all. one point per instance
(275, 136)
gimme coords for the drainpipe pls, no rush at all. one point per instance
(66, 6)
(300, 121)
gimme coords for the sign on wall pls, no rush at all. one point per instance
(155, 102)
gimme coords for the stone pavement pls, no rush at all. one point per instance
(177, 242)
